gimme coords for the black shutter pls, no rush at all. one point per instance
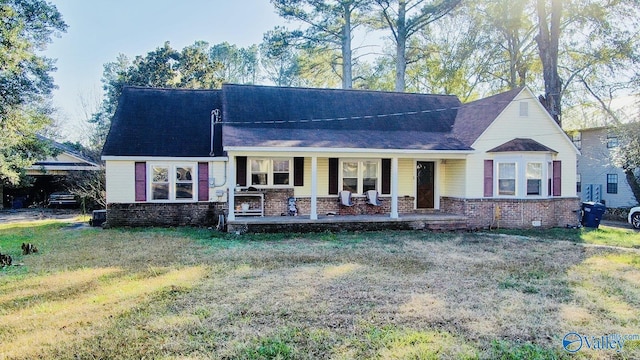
(386, 176)
(241, 170)
(298, 171)
(333, 176)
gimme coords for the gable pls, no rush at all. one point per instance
(536, 124)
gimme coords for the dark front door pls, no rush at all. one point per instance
(425, 179)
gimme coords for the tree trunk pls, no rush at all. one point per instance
(401, 46)
(347, 75)
(632, 180)
(548, 42)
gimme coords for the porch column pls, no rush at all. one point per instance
(314, 188)
(394, 188)
(231, 180)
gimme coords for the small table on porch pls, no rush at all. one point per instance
(250, 211)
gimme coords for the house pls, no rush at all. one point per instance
(180, 157)
(598, 177)
(48, 176)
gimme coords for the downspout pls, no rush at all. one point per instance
(215, 119)
(216, 122)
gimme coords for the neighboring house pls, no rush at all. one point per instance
(598, 178)
(181, 156)
(48, 176)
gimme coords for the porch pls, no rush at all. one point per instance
(436, 221)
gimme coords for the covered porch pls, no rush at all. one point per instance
(435, 221)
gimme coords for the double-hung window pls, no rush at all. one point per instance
(507, 179)
(359, 176)
(534, 178)
(612, 183)
(268, 172)
(172, 182)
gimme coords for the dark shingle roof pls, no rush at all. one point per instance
(526, 145)
(475, 117)
(301, 117)
(162, 122)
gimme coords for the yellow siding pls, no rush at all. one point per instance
(453, 177)
(323, 178)
(509, 125)
(406, 177)
(120, 179)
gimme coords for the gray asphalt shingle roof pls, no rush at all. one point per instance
(177, 122)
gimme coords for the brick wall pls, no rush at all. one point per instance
(155, 214)
(330, 204)
(514, 213)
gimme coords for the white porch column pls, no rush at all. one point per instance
(231, 181)
(314, 188)
(394, 188)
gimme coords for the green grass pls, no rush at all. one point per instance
(604, 235)
(195, 293)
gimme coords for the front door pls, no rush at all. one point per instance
(425, 180)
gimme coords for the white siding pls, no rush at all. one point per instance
(120, 179)
(218, 175)
(509, 125)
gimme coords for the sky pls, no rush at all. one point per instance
(99, 30)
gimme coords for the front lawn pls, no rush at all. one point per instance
(193, 293)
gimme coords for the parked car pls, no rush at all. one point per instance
(62, 198)
(634, 217)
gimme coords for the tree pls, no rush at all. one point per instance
(237, 65)
(193, 68)
(405, 18)
(279, 57)
(331, 24)
(548, 39)
(27, 26)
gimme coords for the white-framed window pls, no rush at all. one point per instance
(359, 176)
(172, 182)
(507, 178)
(270, 172)
(534, 178)
(612, 141)
(523, 176)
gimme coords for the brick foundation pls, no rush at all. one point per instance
(155, 214)
(514, 213)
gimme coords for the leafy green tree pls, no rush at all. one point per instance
(238, 65)
(404, 19)
(279, 57)
(193, 67)
(330, 27)
(27, 26)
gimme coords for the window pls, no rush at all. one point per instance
(524, 108)
(360, 176)
(507, 179)
(612, 141)
(578, 183)
(576, 138)
(612, 183)
(534, 178)
(160, 183)
(172, 182)
(266, 172)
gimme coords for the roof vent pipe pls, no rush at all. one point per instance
(215, 118)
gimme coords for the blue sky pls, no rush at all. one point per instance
(99, 30)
